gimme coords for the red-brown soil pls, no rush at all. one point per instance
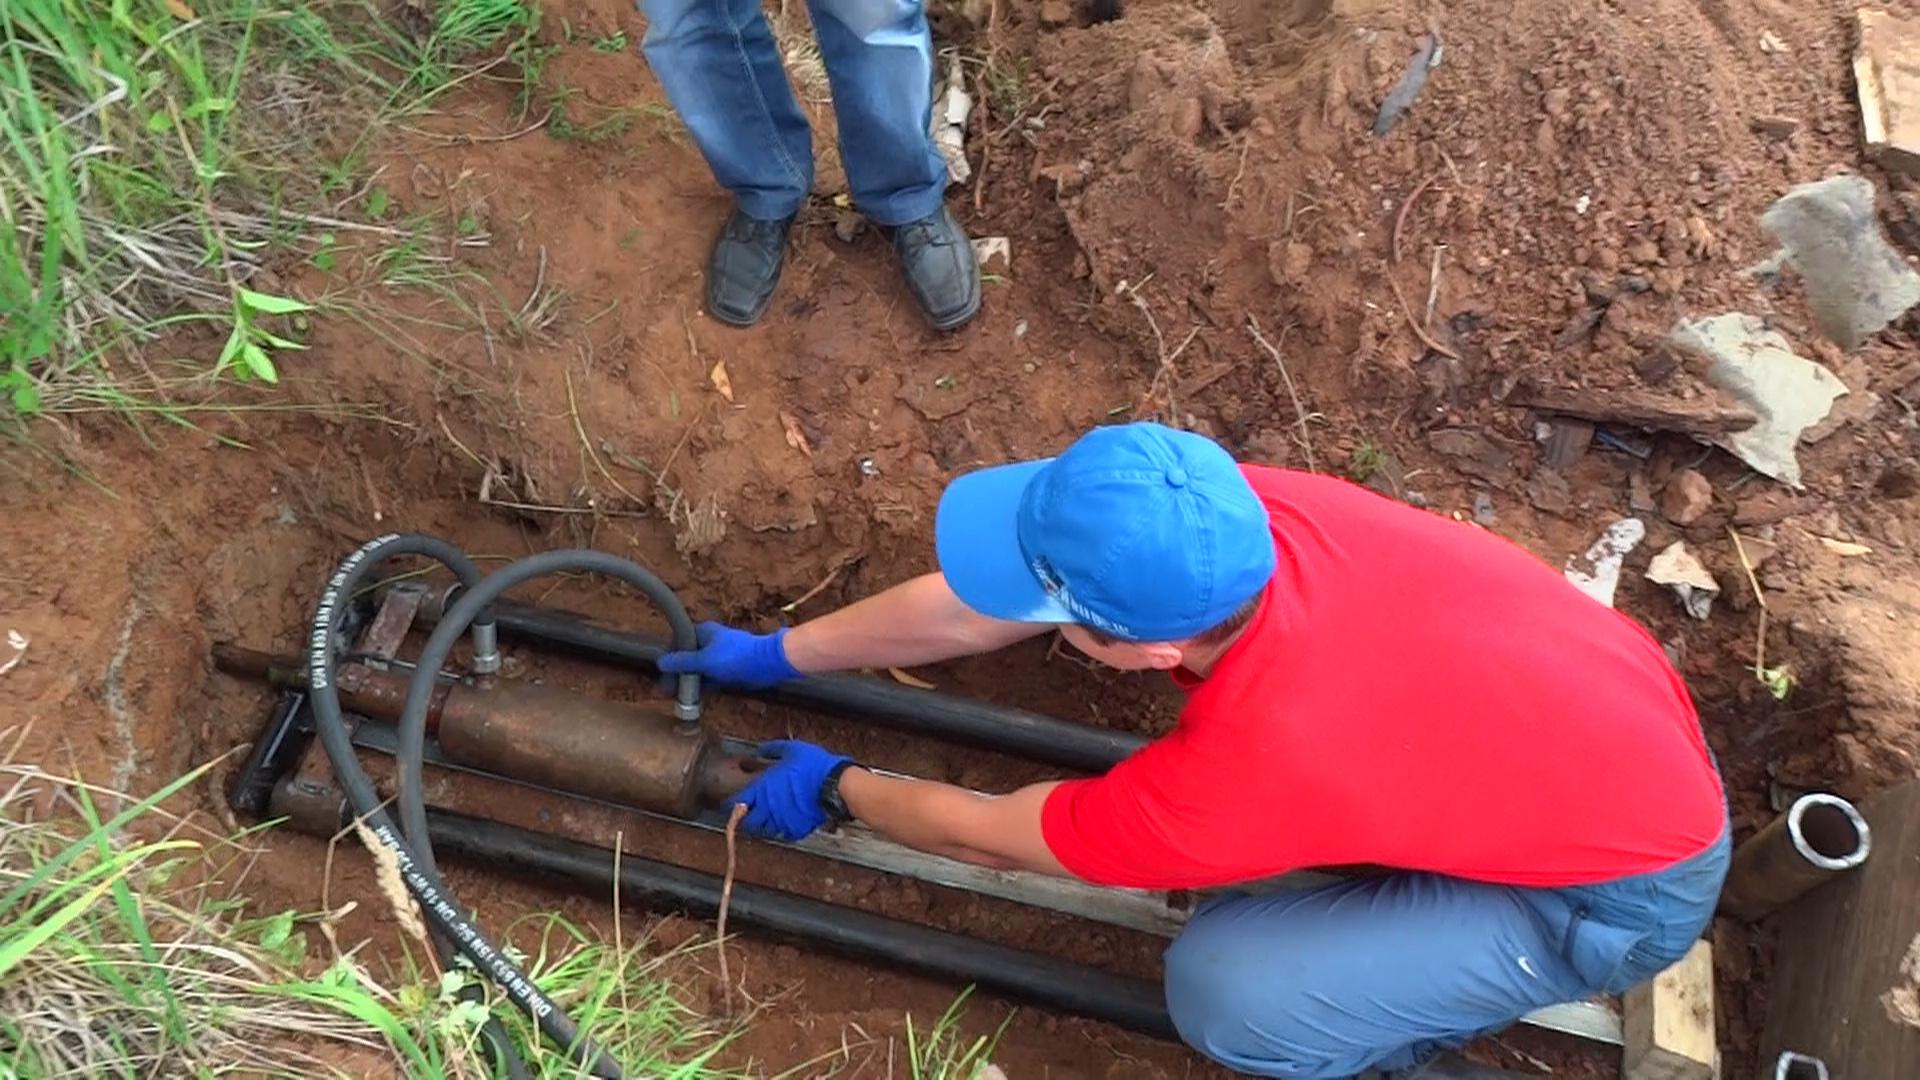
(1593, 172)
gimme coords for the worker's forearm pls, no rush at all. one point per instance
(995, 831)
(916, 622)
(916, 813)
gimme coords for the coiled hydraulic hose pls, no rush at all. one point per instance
(412, 850)
(324, 638)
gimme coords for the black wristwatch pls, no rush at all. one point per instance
(830, 800)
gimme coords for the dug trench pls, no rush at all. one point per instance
(1170, 181)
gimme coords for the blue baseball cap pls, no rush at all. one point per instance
(1139, 531)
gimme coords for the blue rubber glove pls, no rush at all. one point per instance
(784, 802)
(735, 658)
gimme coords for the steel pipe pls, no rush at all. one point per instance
(634, 754)
(1055, 984)
(1045, 739)
(1797, 1066)
(1819, 836)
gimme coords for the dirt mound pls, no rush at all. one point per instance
(1592, 173)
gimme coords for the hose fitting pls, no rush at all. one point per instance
(486, 648)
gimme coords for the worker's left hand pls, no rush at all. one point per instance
(784, 803)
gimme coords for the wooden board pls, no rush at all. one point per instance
(1846, 985)
(1886, 74)
(1669, 1022)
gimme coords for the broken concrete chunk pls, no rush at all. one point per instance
(949, 125)
(994, 254)
(1597, 573)
(1856, 284)
(1474, 454)
(1757, 367)
(1678, 569)
(1687, 498)
(1886, 74)
(1483, 513)
(1548, 491)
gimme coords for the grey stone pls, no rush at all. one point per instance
(1856, 283)
(1758, 368)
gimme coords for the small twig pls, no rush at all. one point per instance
(1306, 440)
(1164, 373)
(1418, 330)
(455, 440)
(580, 429)
(726, 901)
(1433, 282)
(1400, 220)
(788, 608)
(544, 508)
(681, 445)
(539, 282)
(986, 141)
(692, 350)
(463, 139)
(1760, 637)
(1246, 144)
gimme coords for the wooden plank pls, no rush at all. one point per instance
(1669, 1022)
(1636, 408)
(1846, 982)
(1886, 75)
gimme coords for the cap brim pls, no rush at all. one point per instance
(976, 535)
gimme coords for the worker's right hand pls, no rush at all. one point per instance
(734, 658)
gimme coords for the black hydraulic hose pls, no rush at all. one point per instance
(1057, 984)
(436, 903)
(1045, 739)
(412, 728)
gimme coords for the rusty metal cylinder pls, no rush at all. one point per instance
(636, 754)
(626, 753)
(1819, 836)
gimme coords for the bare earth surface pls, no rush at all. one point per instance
(1587, 176)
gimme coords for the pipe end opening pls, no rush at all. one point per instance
(1797, 1066)
(1828, 831)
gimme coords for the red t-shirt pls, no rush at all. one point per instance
(1414, 692)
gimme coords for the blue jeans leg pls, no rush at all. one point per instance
(1379, 972)
(1383, 972)
(721, 68)
(879, 60)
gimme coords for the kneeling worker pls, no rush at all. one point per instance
(1368, 684)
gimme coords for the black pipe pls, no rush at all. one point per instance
(279, 747)
(1055, 984)
(1080, 747)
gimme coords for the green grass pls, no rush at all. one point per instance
(160, 154)
(1007, 94)
(1366, 460)
(944, 1052)
(124, 957)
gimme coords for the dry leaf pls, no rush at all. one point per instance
(1845, 547)
(721, 382)
(796, 438)
(181, 11)
(908, 680)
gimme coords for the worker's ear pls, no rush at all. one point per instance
(1160, 655)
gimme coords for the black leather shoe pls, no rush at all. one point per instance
(745, 267)
(940, 268)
